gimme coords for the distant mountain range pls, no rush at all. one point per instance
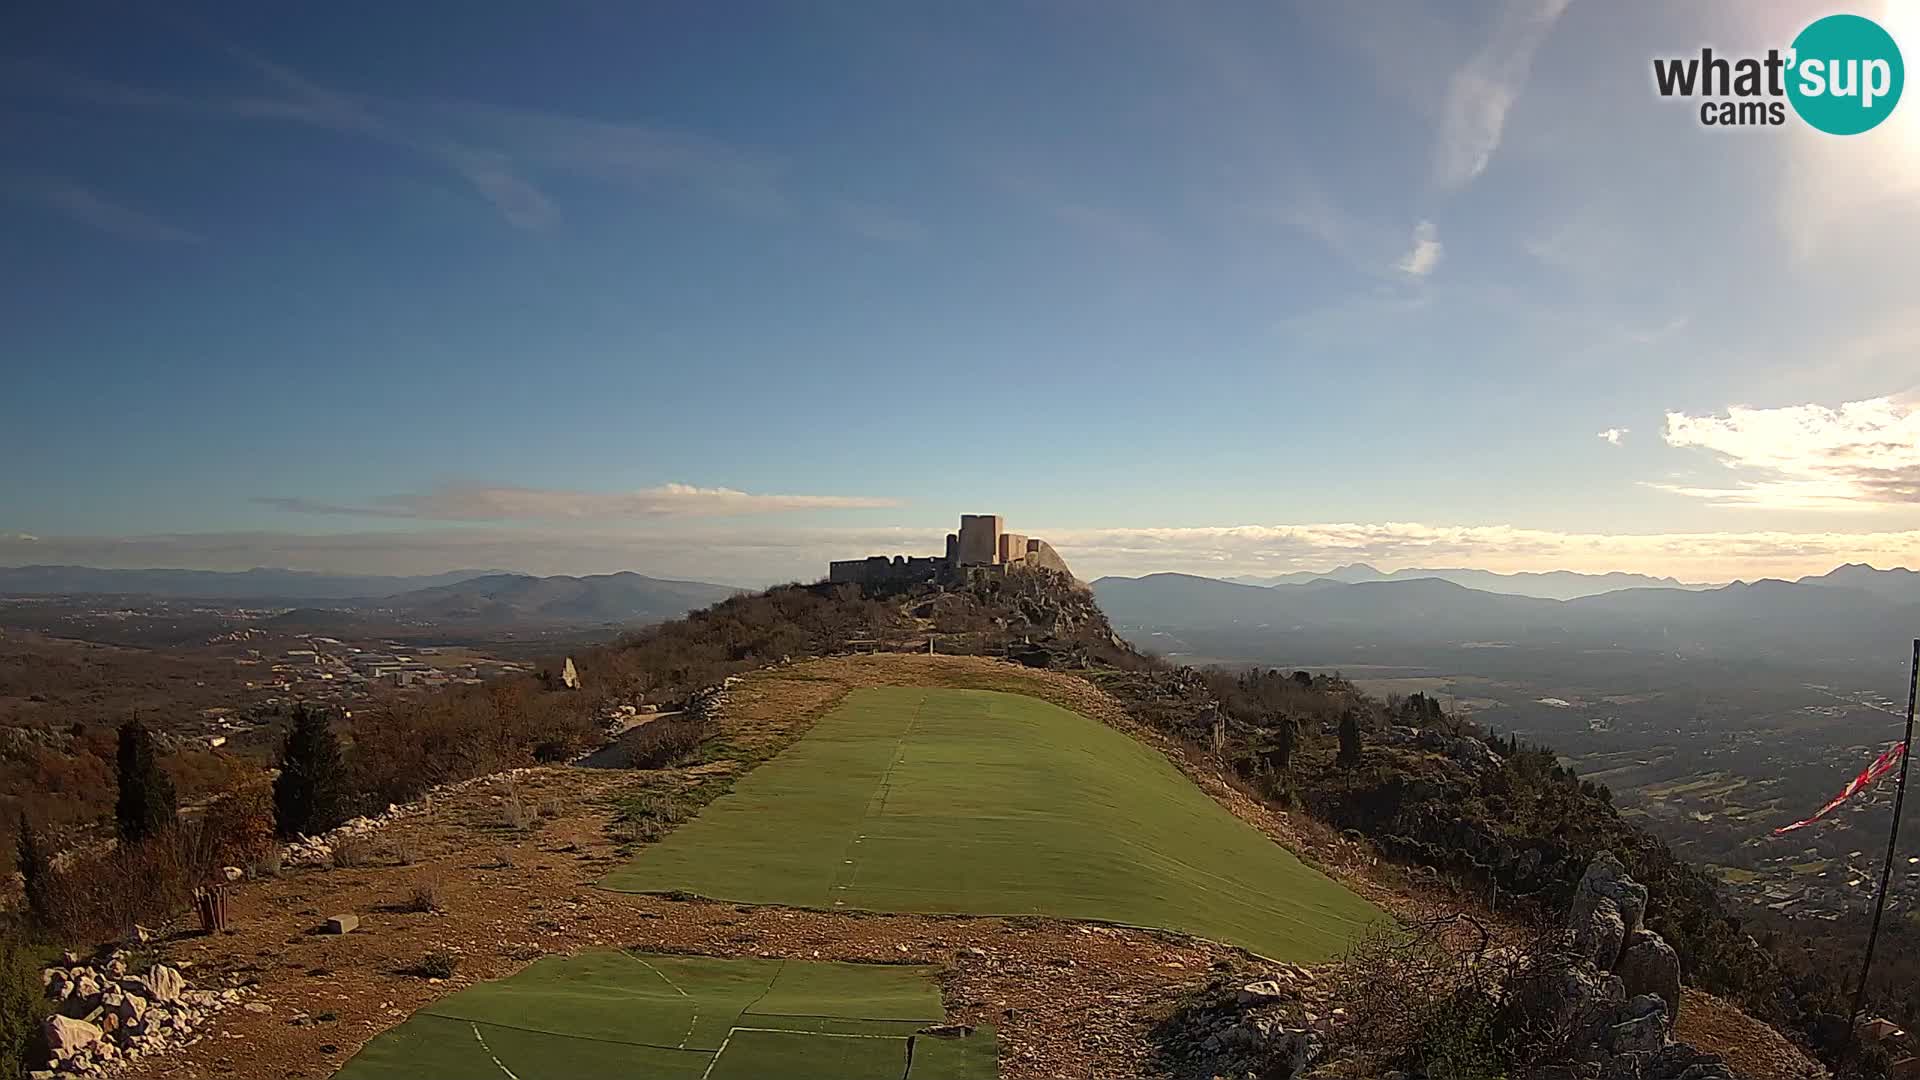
(1852, 613)
(260, 583)
(1551, 585)
(600, 598)
(458, 596)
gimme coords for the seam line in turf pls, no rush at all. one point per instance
(880, 794)
(482, 1039)
(663, 975)
(562, 1035)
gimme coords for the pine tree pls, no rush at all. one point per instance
(310, 794)
(1349, 739)
(147, 805)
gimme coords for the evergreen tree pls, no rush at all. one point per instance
(31, 858)
(310, 794)
(1285, 741)
(1349, 739)
(147, 804)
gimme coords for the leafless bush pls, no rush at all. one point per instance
(100, 896)
(1430, 996)
(519, 816)
(268, 865)
(424, 898)
(438, 964)
(663, 743)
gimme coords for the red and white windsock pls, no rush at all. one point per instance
(1881, 766)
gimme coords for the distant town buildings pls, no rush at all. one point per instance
(982, 546)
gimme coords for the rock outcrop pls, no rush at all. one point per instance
(1609, 994)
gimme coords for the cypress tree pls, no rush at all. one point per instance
(310, 794)
(31, 858)
(1349, 739)
(146, 805)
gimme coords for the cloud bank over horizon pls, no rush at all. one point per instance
(737, 555)
(480, 503)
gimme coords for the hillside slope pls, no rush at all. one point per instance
(625, 597)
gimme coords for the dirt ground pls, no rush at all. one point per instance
(508, 886)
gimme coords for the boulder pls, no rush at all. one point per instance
(1639, 1034)
(1606, 879)
(1599, 930)
(1266, 992)
(1650, 966)
(164, 983)
(131, 1010)
(67, 1036)
(342, 924)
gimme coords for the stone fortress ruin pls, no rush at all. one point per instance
(981, 547)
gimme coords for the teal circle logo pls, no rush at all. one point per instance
(1845, 74)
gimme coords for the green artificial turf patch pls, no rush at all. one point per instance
(984, 803)
(641, 1016)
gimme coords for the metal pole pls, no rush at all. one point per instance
(1886, 869)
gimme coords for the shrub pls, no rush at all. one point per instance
(438, 964)
(23, 1005)
(146, 804)
(239, 826)
(424, 898)
(663, 743)
(310, 794)
(518, 815)
(100, 896)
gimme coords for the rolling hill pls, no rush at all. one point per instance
(260, 583)
(625, 597)
(1550, 585)
(1831, 620)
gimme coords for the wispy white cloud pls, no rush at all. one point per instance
(1613, 435)
(89, 207)
(1860, 456)
(505, 155)
(1474, 112)
(627, 154)
(548, 504)
(1424, 255)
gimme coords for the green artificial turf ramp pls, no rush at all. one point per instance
(936, 1058)
(977, 802)
(761, 1055)
(642, 1016)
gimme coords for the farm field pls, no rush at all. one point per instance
(673, 1017)
(986, 803)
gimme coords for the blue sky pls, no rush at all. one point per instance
(1234, 288)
